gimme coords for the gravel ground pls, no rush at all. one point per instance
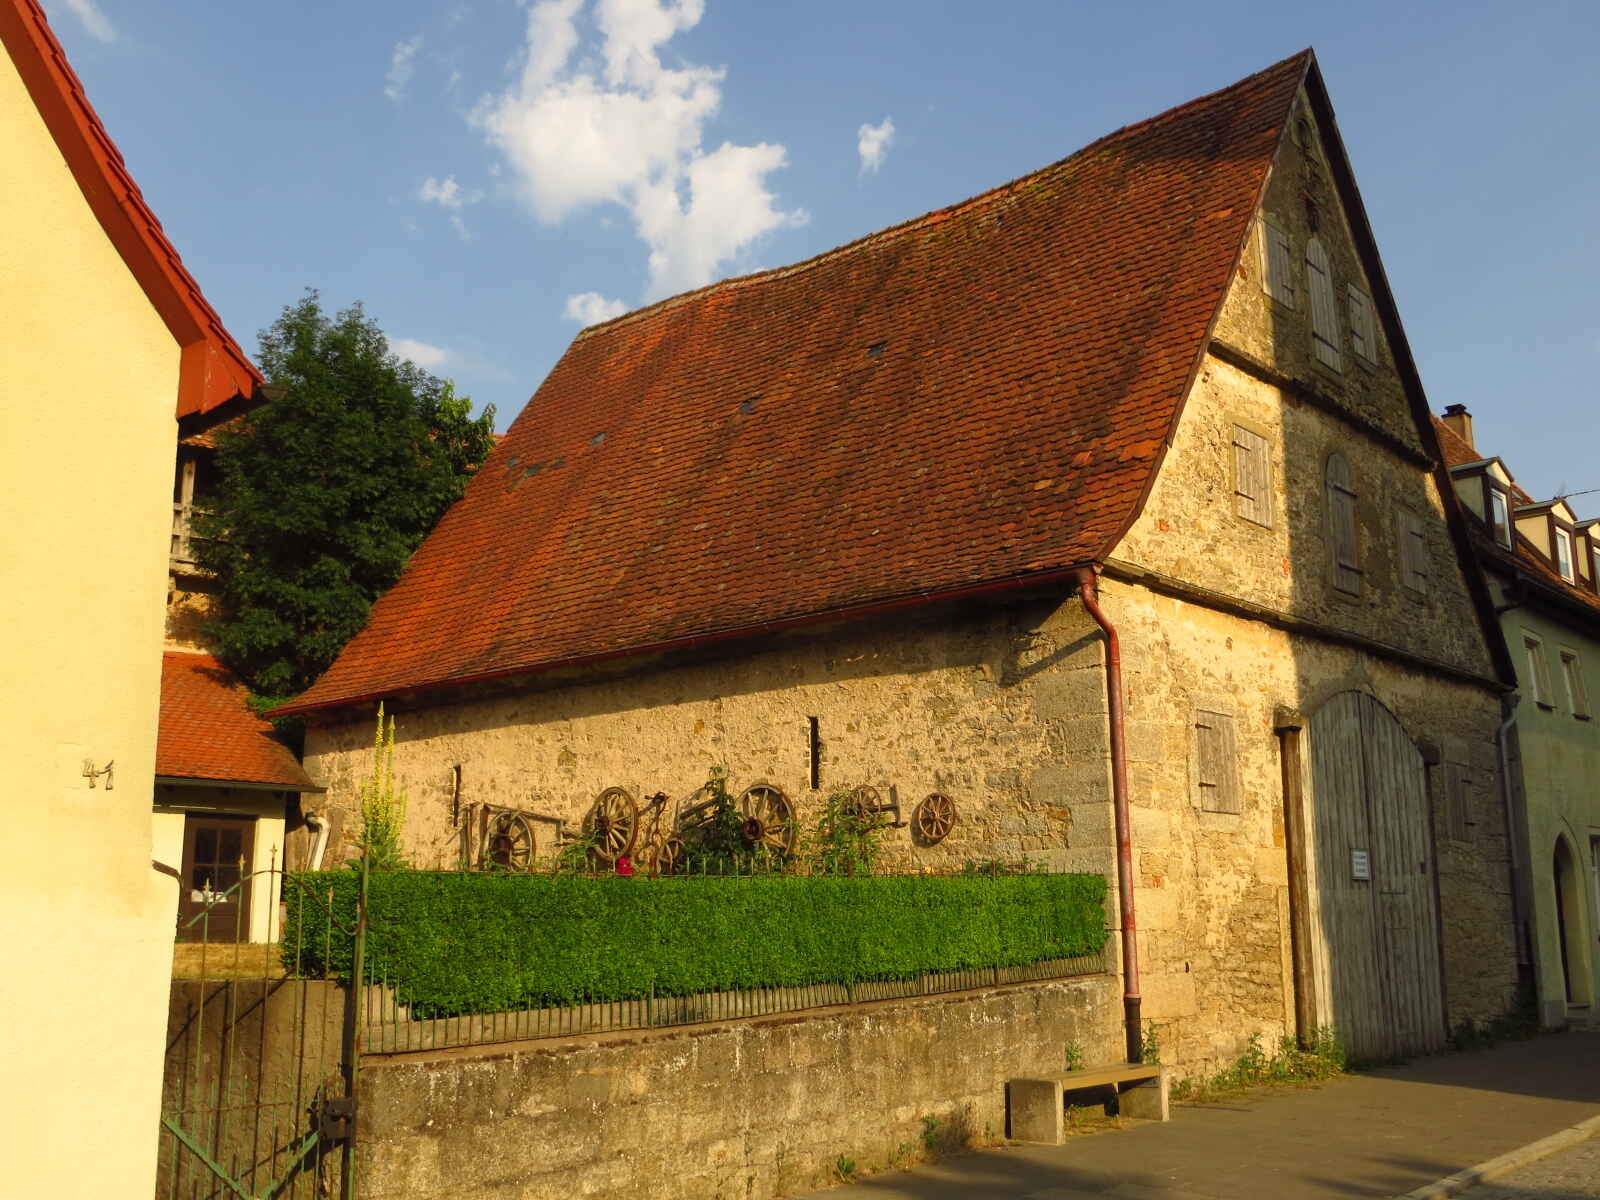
(1572, 1174)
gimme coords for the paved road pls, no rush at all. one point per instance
(1378, 1134)
(1570, 1175)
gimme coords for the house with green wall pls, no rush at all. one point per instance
(1542, 564)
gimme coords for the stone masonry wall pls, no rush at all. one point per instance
(749, 1109)
(1003, 710)
(1212, 888)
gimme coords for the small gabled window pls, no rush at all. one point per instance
(1458, 783)
(1413, 537)
(1252, 487)
(1563, 544)
(1499, 516)
(1344, 542)
(1216, 776)
(1577, 694)
(1363, 336)
(1277, 262)
(1324, 313)
(1538, 671)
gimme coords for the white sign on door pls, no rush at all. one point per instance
(1360, 864)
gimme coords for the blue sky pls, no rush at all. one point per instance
(417, 156)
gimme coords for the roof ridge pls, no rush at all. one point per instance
(932, 215)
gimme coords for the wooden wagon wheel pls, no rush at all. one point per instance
(934, 819)
(864, 804)
(667, 856)
(508, 842)
(768, 819)
(612, 823)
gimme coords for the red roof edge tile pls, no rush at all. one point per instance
(208, 734)
(212, 369)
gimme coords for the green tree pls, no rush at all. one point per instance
(325, 490)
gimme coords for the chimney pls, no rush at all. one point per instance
(1460, 421)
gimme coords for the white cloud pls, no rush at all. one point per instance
(446, 193)
(450, 196)
(615, 126)
(402, 66)
(94, 22)
(425, 355)
(872, 144)
(590, 308)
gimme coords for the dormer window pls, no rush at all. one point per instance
(1563, 545)
(1499, 517)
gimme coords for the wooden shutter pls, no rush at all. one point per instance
(1538, 671)
(1277, 266)
(1216, 776)
(1252, 486)
(1343, 537)
(1324, 314)
(1459, 802)
(1414, 561)
(1577, 694)
(1363, 338)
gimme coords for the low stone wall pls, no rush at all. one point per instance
(755, 1108)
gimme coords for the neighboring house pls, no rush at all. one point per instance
(864, 520)
(228, 790)
(224, 786)
(1543, 567)
(105, 343)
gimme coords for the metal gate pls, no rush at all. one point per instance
(1373, 915)
(258, 1092)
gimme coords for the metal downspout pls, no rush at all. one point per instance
(1519, 914)
(1088, 590)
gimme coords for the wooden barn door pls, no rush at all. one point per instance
(1373, 922)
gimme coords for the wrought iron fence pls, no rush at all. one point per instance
(260, 1070)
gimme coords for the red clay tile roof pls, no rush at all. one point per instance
(213, 370)
(981, 394)
(1525, 556)
(208, 732)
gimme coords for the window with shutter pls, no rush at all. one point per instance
(1324, 314)
(1577, 694)
(1538, 671)
(1363, 335)
(1252, 476)
(1458, 816)
(1216, 777)
(1413, 550)
(1344, 544)
(1277, 275)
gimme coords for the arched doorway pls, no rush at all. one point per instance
(1370, 887)
(1571, 926)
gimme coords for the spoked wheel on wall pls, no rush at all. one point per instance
(666, 856)
(934, 818)
(508, 842)
(612, 824)
(768, 819)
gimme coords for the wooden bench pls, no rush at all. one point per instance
(1034, 1106)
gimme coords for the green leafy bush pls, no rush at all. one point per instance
(456, 942)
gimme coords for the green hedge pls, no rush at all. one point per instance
(454, 942)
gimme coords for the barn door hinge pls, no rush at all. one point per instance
(336, 1119)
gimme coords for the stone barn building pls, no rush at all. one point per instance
(873, 518)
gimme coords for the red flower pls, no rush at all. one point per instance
(624, 865)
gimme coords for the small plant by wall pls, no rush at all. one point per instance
(1290, 1063)
(382, 806)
